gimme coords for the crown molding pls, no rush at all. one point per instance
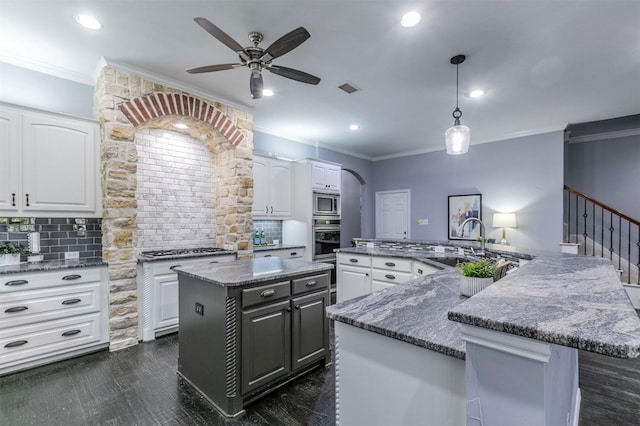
(45, 68)
(603, 136)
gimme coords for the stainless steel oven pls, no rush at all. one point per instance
(326, 238)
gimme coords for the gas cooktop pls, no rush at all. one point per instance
(180, 252)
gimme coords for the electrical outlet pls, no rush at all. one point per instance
(72, 255)
(423, 221)
(199, 308)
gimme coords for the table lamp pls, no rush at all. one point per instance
(504, 220)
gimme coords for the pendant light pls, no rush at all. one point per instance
(457, 137)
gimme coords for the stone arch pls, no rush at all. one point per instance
(148, 107)
(124, 103)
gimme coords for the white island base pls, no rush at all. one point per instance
(384, 381)
(505, 379)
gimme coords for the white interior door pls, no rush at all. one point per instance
(392, 214)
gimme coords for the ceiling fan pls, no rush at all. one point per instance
(257, 58)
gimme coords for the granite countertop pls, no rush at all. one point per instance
(251, 271)
(277, 247)
(430, 258)
(144, 259)
(568, 300)
(52, 265)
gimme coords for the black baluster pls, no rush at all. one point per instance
(611, 229)
(629, 253)
(568, 217)
(584, 234)
(577, 201)
(619, 241)
(601, 232)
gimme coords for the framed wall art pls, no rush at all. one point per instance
(461, 208)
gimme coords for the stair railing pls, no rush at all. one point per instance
(602, 225)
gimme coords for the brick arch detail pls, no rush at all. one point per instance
(144, 108)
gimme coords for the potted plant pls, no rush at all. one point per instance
(476, 276)
(10, 253)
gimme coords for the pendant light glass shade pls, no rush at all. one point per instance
(457, 137)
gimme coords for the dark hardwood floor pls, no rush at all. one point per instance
(139, 386)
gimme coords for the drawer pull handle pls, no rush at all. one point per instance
(390, 264)
(13, 199)
(70, 333)
(214, 261)
(293, 253)
(267, 255)
(16, 282)
(353, 260)
(174, 266)
(71, 301)
(311, 283)
(16, 343)
(71, 277)
(268, 293)
(15, 309)
(28, 200)
(390, 277)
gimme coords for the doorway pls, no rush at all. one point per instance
(351, 207)
(392, 214)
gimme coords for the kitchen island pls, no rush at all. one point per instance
(507, 355)
(250, 326)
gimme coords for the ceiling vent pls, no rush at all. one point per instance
(348, 88)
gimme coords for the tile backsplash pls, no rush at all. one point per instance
(57, 235)
(272, 229)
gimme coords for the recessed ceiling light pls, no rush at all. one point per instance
(354, 127)
(476, 93)
(267, 92)
(180, 126)
(410, 19)
(88, 21)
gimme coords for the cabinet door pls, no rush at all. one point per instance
(260, 186)
(165, 289)
(379, 285)
(352, 282)
(280, 189)
(10, 160)
(59, 165)
(333, 177)
(318, 176)
(310, 329)
(266, 345)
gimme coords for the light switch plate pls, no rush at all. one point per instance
(71, 255)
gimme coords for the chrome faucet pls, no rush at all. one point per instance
(482, 233)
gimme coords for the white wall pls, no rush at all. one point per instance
(522, 175)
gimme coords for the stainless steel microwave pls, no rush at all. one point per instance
(326, 204)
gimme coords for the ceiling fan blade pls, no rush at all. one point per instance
(211, 68)
(286, 44)
(294, 74)
(255, 84)
(223, 37)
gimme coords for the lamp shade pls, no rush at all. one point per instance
(457, 139)
(504, 220)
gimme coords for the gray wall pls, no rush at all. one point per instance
(522, 175)
(32, 89)
(609, 171)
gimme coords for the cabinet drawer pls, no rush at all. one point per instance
(316, 282)
(26, 307)
(391, 264)
(35, 340)
(265, 293)
(420, 269)
(355, 260)
(35, 280)
(287, 253)
(391, 276)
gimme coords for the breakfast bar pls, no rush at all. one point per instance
(508, 352)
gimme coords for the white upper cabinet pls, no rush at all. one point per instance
(325, 176)
(271, 188)
(54, 169)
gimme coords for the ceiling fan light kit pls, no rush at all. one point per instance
(458, 136)
(257, 58)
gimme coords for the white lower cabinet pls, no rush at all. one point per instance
(361, 274)
(158, 294)
(47, 316)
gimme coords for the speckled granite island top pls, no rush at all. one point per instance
(572, 301)
(52, 265)
(252, 271)
(577, 302)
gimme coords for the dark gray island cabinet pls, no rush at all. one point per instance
(250, 326)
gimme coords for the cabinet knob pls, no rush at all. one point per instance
(289, 309)
(420, 271)
(298, 307)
